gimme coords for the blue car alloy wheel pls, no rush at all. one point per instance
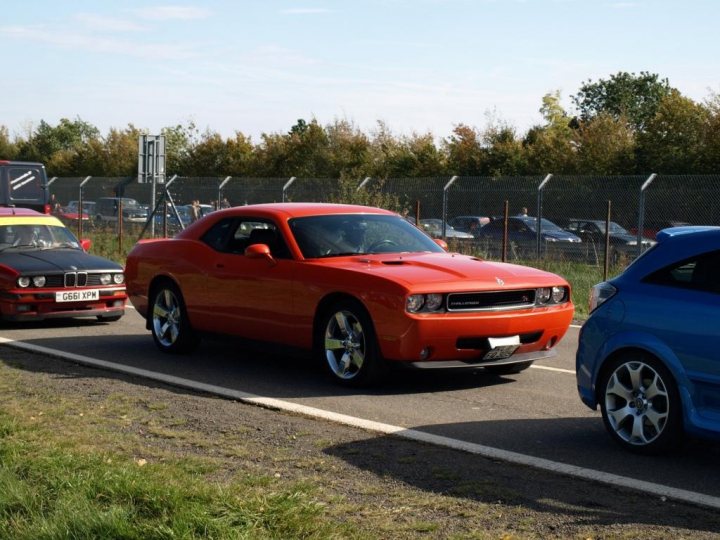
(640, 404)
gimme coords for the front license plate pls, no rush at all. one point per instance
(502, 347)
(77, 296)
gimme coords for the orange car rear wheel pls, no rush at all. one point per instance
(169, 322)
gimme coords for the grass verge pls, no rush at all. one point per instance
(89, 454)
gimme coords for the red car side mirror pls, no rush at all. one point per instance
(86, 243)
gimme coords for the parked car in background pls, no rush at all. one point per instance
(653, 226)
(184, 211)
(648, 353)
(73, 206)
(523, 228)
(344, 281)
(70, 214)
(106, 210)
(24, 185)
(45, 272)
(622, 242)
(522, 236)
(469, 224)
(433, 227)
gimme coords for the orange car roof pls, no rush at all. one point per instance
(301, 209)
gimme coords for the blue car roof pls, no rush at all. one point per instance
(673, 245)
(690, 229)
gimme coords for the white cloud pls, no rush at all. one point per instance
(97, 44)
(304, 11)
(163, 13)
(98, 22)
(623, 5)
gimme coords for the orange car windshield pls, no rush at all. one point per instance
(337, 235)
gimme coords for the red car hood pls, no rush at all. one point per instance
(453, 272)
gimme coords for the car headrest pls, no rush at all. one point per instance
(262, 236)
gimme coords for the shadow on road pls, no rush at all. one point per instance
(487, 481)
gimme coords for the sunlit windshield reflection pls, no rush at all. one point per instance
(36, 236)
(349, 234)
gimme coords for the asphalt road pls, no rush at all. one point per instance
(537, 412)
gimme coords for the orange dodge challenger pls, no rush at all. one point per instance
(361, 287)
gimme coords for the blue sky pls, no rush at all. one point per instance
(257, 66)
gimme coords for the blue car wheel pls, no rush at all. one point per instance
(640, 404)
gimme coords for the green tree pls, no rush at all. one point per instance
(710, 161)
(551, 147)
(208, 157)
(57, 146)
(673, 140)
(349, 150)
(8, 148)
(504, 152)
(605, 145)
(120, 155)
(241, 159)
(464, 151)
(635, 97)
(179, 142)
(303, 152)
(406, 156)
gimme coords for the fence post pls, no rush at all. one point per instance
(606, 266)
(506, 215)
(445, 204)
(80, 206)
(286, 186)
(220, 189)
(538, 226)
(363, 183)
(641, 212)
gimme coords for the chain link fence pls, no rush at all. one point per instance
(638, 206)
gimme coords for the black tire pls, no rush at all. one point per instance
(346, 344)
(169, 321)
(640, 404)
(509, 369)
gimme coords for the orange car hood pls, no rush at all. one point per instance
(453, 271)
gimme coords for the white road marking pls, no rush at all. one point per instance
(658, 490)
(548, 368)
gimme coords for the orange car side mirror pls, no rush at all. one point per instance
(441, 243)
(259, 251)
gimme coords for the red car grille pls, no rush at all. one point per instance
(72, 279)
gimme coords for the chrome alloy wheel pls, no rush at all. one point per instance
(637, 403)
(344, 344)
(166, 318)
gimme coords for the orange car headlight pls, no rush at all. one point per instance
(551, 295)
(416, 303)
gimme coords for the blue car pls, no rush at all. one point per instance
(649, 354)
